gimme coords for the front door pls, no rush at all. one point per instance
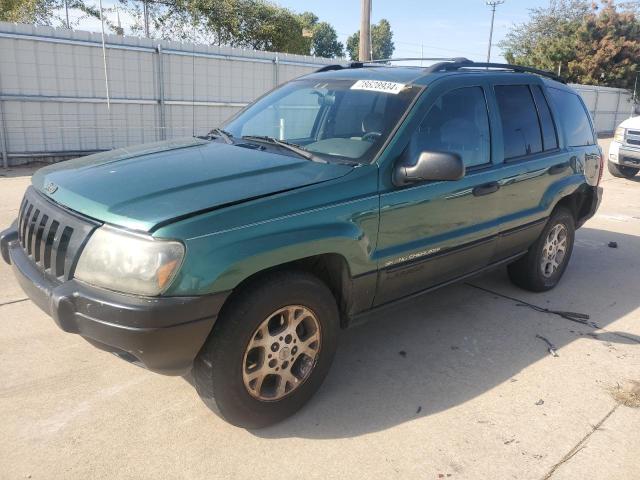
(434, 232)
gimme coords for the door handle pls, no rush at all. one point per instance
(557, 169)
(486, 189)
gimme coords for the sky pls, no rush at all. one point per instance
(426, 28)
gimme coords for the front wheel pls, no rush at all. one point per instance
(544, 264)
(270, 349)
(621, 171)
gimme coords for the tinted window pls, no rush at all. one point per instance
(457, 122)
(573, 117)
(295, 115)
(351, 111)
(549, 139)
(329, 118)
(520, 127)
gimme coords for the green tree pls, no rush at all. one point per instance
(325, 41)
(50, 12)
(587, 43)
(38, 12)
(381, 41)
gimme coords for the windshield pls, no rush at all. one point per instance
(336, 119)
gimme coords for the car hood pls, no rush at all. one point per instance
(143, 186)
(633, 122)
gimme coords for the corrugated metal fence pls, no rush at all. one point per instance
(53, 94)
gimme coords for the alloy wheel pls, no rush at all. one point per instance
(554, 250)
(282, 353)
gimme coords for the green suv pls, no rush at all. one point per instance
(241, 255)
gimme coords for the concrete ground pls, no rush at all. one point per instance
(456, 385)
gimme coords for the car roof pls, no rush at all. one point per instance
(416, 75)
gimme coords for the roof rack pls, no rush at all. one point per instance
(451, 66)
(426, 59)
(340, 66)
(447, 65)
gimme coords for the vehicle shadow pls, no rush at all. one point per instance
(441, 350)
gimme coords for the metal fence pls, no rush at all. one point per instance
(53, 94)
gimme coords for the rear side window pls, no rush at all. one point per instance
(520, 127)
(457, 122)
(549, 138)
(573, 117)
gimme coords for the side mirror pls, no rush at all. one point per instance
(430, 166)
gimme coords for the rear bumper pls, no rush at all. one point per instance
(164, 334)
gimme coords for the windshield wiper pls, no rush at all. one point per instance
(218, 132)
(292, 147)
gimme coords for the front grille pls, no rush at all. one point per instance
(51, 236)
(633, 141)
(633, 137)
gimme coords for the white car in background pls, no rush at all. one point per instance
(624, 152)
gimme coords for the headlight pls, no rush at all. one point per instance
(128, 262)
(619, 135)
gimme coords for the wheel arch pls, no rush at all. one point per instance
(578, 203)
(331, 268)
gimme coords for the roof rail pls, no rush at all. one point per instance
(447, 65)
(444, 66)
(340, 66)
(426, 59)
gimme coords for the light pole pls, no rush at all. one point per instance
(493, 4)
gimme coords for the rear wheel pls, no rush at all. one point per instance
(621, 171)
(270, 349)
(544, 264)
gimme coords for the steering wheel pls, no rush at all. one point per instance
(371, 136)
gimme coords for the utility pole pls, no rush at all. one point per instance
(364, 53)
(145, 11)
(119, 24)
(66, 11)
(493, 4)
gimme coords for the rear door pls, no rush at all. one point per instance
(533, 157)
(577, 130)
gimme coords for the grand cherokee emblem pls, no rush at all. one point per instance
(51, 187)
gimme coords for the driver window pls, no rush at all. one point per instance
(457, 122)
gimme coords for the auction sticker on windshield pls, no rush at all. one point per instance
(378, 86)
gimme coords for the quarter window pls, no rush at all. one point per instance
(549, 138)
(573, 117)
(458, 122)
(520, 127)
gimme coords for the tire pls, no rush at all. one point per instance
(220, 370)
(529, 272)
(621, 171)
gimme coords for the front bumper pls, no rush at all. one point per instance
(624, 154)
(164, 334)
